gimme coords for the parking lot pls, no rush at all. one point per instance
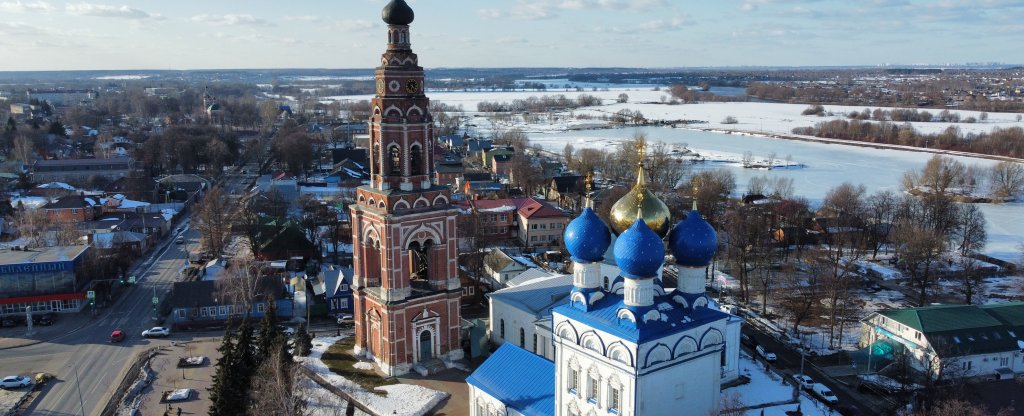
(10, 398)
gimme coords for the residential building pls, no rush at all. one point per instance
(207, 303)
(337, 289)
(497, 160)
(567, 191)
(501, 267)
(951, 341)
(71, 208)
(540, 224)
(496, 219)
(73, 170)
(46, 279)
(448, 172)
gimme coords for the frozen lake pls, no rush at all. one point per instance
(826, 166)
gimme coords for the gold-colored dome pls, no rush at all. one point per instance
(641, 202)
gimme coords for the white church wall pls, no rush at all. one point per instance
(588, 352)
(514, 319)
(691, 385)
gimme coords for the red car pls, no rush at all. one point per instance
(117, 336)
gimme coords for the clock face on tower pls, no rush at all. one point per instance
(380, 86)
(412, 86)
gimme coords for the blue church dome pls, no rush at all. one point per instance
(587, 237)
(693, 242)
(639, 252)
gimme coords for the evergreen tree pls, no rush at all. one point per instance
(224, 393)
(57, 128)
(245, 355)
(270, 333)
(303, 342)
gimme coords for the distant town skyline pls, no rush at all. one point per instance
(187, 34)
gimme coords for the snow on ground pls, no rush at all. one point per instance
(783, 118)
(400, 399)
(469, 99)
(768, 387)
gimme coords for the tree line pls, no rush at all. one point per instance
(1007, 142)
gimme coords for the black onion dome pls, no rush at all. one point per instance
(398, 12)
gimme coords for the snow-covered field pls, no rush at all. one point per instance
(399, 399)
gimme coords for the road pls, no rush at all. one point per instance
(88, 368)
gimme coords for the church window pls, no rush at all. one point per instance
(502, 329)
(522, 338)
(574, 380)
(395, 160)
(535, 343)
(595, 389)
(481, 410)
(606, 286)
(614, 399)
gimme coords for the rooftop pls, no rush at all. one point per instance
(520, 379)
(41, 255)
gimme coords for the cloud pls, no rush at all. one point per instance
(231, 20)
(19, 7)
(103, 10)
(306, 18)
(665, 25)
(354, 25)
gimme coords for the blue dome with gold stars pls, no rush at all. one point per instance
(693, 241)
(587, 238)
(639, 252)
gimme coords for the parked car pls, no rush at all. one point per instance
(764, 353)
(45, 319)
(805, 381)
(345, 319)
(117, 336)
(822, 392)
(180, 240)
(13, 320)
(15, 382)
(156, 331)
(287, 330)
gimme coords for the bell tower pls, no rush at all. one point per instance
(406, 281)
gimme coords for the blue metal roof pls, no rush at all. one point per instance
(603, 316)
(518, 378)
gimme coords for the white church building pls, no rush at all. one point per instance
(626, 347)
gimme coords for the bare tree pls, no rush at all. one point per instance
(802, 292)
(272, 391)
(919, 248)
(241, 283)
(969, 233)
(215, 214)
(941, 173)
(1007, 179)
(747, 159)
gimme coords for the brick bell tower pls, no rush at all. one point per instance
(406, 282)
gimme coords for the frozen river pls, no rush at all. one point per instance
(826, 165)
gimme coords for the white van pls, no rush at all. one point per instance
(767, 355)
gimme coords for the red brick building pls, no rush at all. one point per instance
(407, 288)
(71, 208)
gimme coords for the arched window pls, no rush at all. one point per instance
(416, 160)
(606, 287)
(502, 333)
(522, 338)
(535, 343)
(395, 158)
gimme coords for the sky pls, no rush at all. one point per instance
(225, 34)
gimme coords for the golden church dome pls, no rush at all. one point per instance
(641, 202)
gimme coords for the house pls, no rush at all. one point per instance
(448, 172)
(567, 191)
(478, 146)
(137, 187)
(283, 241)
(951, 341)
(500, 267)
(496, 160)
(186, 188)
(117, 241)
(454, 143)
(522, 314)
(120, 203)
(71, 208)
(337, 289)
(482, 189)
(208, 303)
(540, 224)
(148, 223)
(496, 219)
(70, 170)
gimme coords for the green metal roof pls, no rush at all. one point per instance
(956, 330)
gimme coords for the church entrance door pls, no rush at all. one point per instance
(426, 346)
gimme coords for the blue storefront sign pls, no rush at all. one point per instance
(57, 266)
